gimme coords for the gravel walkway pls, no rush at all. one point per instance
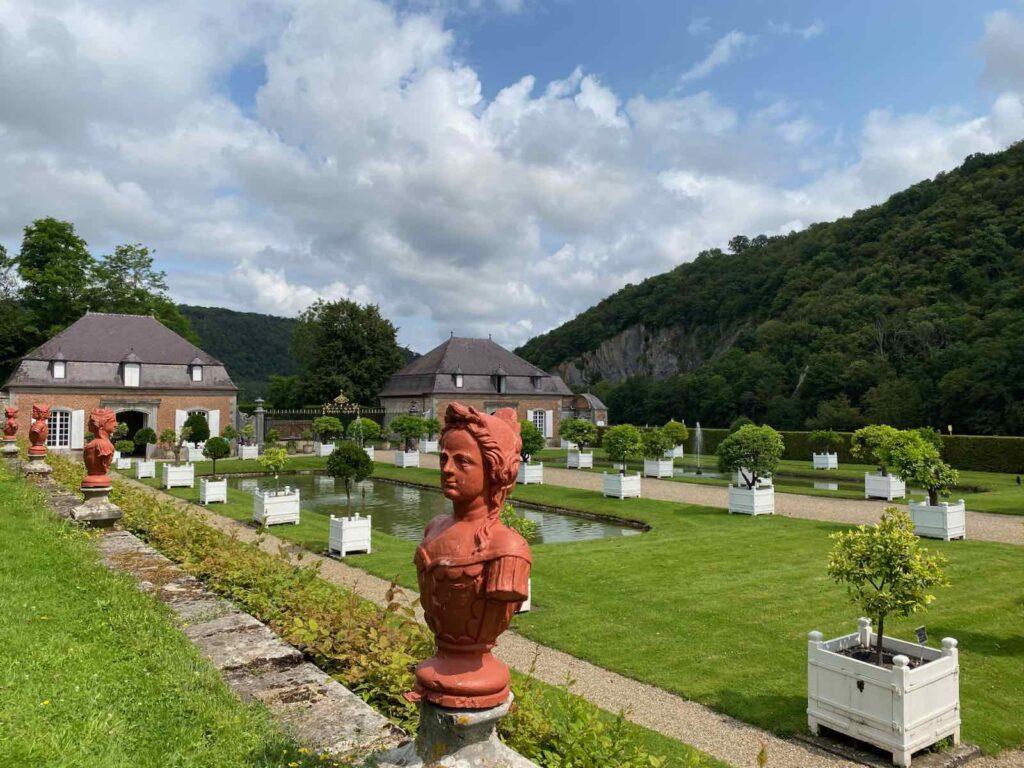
(982, 526)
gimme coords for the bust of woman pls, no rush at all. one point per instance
(473, 571)
(39, 430)
(99, 452)
(10, 423)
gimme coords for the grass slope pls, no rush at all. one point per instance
(92, 671)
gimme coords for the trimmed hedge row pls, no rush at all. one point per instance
(980, 453)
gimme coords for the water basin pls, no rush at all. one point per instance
(403, 511)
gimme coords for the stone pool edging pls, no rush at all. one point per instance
(255, 663)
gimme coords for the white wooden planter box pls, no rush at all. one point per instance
(568, 445)
(117, 455)
(428, 446)
(369, 452)
(525, 606)
(945, 521)
(579, 460)
(349, 534)
(752, 501)
(194, 453)
(531, 473)
(123, 464)
(177, 475)
(145, 468)
(621, 486)
(825, 460)
(323, 449)
(270, 507)
(407, 459)
(901, 710)
(886, 487)
(675, 452)
(657, 467)
(762, 482)
(248, 451)
(211, 491)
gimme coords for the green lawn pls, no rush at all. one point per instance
(717, 607)
(983, 491)
(93, 672)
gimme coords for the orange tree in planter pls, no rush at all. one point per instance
(885, 569)
(916, 459)
(533, 440)
(579, 431)
(751, 449)
(872, 444)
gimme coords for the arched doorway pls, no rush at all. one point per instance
(135, 420)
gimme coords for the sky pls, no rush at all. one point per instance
(479, 166)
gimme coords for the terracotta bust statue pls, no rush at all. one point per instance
(100, 451)
(473, 571)
(11, 424)
(39, 430)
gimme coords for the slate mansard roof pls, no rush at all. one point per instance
(96, 345)
(478, 360)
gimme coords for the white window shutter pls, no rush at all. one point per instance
(213, 419)
(549, 422)
(179, 420)
(77, 430)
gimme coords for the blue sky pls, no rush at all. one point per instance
(482, 166)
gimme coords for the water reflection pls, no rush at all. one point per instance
(403, 510)
(827, 486)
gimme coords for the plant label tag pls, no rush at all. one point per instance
(922, 635)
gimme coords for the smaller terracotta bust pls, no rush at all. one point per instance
(11, 424)
(39, 430)
(473, 571)
(99, 452)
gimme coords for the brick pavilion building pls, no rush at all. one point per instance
(479, 373)
(149, 375)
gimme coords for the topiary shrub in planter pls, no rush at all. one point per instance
(899, 696)
(216, 448)
(408, 429)
(825, 441)
(145, 468)
(655, 444)
(124, 448)
(871, 445)
(144, 437)
(363, 431)
(915, 458)
(579, 434)
(533, 442)
(350, 464)
(677, 434)
(326, 429)
(622, 443)
(428, 444)
(275, 506)
(753, 452)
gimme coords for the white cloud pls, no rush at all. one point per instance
(1003, 49)
(372, 167)
(813, 29)
(699, 26)
(722, 52)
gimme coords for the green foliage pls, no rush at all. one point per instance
(911, 310)
(623, 442)
(432, 427)
(145, 436)
(120, 431)
(408, 428)
(198, 428)
(273, 460)
(216, 448)
(885, 569)
(256, 349)
(363, 430)
(526, 527)
(655, 443)
(917, 460)
(533, 439)
(168, 439)
(341, 346)
(229, 432)
(825, 440)
(871, 444)
(249, 432)
(328, 428)
(349, 463)
(272, 438)
(124, 446)
(54, 266)
(756, 450)
(579, 431)
(931, 435)
(738, 422)
(676, 432)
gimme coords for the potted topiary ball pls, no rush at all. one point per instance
(533, 442)
(656, 444)
(871, 444)
(753, 453)
(915, 458)
(577, 435)
(825, 443)
(622, 443)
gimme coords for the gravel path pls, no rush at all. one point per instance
(982, 526)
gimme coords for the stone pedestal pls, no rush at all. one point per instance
(456, 738)
(36, 465)
(10, 449)
(98, 510)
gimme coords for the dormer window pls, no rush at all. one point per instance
(500, 380)
(457, 378)
(535, 380)
(60, 369)
(195, 370)
(131, 369)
